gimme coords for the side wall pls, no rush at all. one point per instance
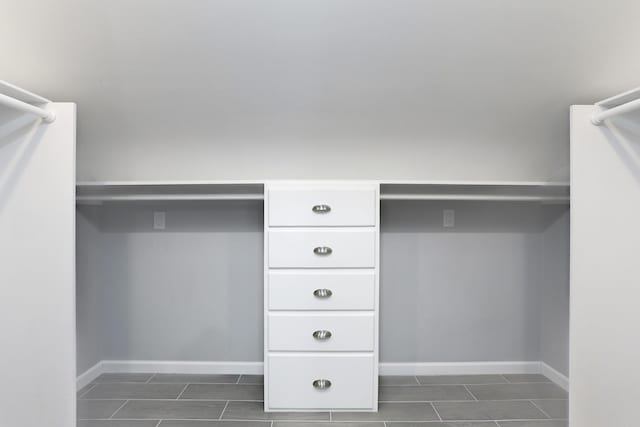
(605, 246)
(89, 303)
(554, 343)
(37, 246)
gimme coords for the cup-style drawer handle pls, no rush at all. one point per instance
(322, 293)
(321, 209)
(322, 335)
(322, 384)
(322, 250)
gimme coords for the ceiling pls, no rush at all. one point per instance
(476, 89)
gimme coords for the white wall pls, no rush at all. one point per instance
(190, 292)
(37, 256)
(90, 265)
(194, 291)
(605, 243)
(232, 89)
(555, 295)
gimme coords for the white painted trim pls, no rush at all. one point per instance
(459, 368)
(182, 367)
(555, 376)
(85, 378)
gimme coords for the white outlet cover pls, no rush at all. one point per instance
(159, 220)
(448, 218)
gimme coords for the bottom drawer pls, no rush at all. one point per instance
(294, 382)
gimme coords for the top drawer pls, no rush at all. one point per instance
(322, 206)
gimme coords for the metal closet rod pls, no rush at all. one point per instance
(599, 118)
(16, 104)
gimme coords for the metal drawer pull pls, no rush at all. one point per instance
(322, 384)
(323, 293)
(321, 209)
(322, 335)
(322, 250)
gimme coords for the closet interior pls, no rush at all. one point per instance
(474, 277)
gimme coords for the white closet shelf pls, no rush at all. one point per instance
(543, 192)
(141, 191)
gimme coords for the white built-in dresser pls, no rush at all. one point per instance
(321, 296)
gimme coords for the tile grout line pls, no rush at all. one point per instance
(223, 409)
(117, 410)
(435, 410)
(180, 395)
(469, 391)
(540, 409)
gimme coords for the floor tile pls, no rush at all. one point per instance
(418, 411)
(201, 423)
(500, 410)
(445, 424)
(554, 408)
(117, 423)
(92, 409)
(224, 391)
(134, 391)
(517, 391)
(423, 393)
(255, 411)
(527, 378)
(123, 378)
(461, 379)
(171, 409)
(251, 379)
(548, 423)
(326, 424)
(397, 380)
(188, 378)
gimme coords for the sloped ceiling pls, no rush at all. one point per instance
(434, 89)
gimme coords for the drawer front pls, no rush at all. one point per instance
(321, 332)
(291, 381)
(344, 248)
(321, 290)
(322, 207)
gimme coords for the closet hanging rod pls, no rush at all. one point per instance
(16, 104)
(598, 118)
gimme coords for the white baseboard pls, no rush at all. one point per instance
(256, 368)
(89, 375)
(555, 376)
(182, 367)
(459, 368)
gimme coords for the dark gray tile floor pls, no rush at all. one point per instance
(168, 400)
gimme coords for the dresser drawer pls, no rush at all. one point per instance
(316, 207)
(321, 290)
(299, 332)
(346, 248)
(291, 382)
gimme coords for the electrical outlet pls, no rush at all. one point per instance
(448, 218)
(159, 220)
